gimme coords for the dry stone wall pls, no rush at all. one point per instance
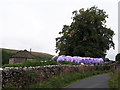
(18, 77)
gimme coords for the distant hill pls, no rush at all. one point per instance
(7, 53)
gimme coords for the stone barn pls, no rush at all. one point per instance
(20, 57)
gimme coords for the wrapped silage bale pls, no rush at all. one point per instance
(83, 59)
(87, 60)
(74, 59)
(98, 60)
(69, 58)
(101, 60)
(77, 59)
(80, 59)
(95, 60)
(90, 60)
(61, 58)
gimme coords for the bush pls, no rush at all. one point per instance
(117, 58)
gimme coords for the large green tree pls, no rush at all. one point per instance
(87, 36)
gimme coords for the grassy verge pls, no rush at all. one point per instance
(114, 81)
(64, 80)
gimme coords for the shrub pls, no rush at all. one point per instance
(117, 58)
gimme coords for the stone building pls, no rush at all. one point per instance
(20, 57)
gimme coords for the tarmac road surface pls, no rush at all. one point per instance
(99, 81)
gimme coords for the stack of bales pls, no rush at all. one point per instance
(77, 59)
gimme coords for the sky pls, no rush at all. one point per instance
(35, 24)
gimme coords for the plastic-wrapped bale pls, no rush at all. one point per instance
(93, 60)
(101, 60)
(80, 59)
(90, 60)
(77, 59)
(74, 59)
(86, 60)
(69, 58)
(98, 60)
(83, 59)
(61, 58)
(64, 58)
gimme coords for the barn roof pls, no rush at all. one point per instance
(23, 54)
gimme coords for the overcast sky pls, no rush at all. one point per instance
(35, 24)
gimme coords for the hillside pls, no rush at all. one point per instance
(7, 53)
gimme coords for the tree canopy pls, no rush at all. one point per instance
(87, 36)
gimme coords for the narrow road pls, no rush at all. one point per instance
(99, 81)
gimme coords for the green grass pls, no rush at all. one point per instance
(64, 80)
(29, 63)
(114, 81)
